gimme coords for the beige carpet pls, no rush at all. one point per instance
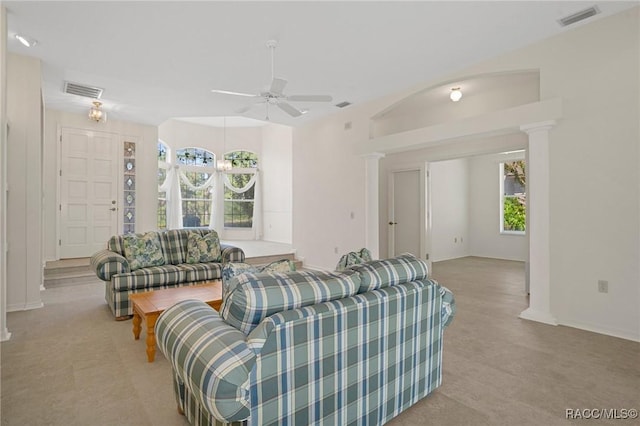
(69, 363)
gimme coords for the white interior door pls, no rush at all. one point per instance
(406, 228)
(88, 191)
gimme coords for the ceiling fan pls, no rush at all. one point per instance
(274, 95)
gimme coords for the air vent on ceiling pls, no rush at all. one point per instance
(579, 16)
(82, 90)
(343, 104)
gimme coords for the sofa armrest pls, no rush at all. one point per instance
(107, 263)
(231, 253)
(448, 306)
(210, 357)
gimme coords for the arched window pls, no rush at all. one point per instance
(240, 189)
(197, 167)
(163, 166)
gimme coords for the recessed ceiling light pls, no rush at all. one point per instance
(26, 41)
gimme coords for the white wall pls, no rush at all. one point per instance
(277, 185)
(4, 331)
(146, 138)
(593, 157)
(484, 212)
(24, 183)
(328, 186)
(449, 185)
(442, 155)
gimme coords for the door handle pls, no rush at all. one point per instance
(113, 209)
(393, 223)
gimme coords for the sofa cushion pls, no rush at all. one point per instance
(148, 278)
(201, 271)
(389, 272)
(253, 297)
(203, 248)
(231, 269)
(143, 250)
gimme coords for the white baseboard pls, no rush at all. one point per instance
(539, 316)
(5, 335)
(314, 268)
(24, 306)
(594, 328)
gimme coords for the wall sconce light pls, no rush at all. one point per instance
(456, 94)
(96, 113)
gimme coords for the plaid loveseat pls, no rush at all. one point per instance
(325, 348)
(121, 280)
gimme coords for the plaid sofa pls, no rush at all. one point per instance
(324, 348)
(112, 266)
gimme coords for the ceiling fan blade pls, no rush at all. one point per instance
(310, 98)
(294, 112)
(277, 86)
(243, 109)
(227, 92)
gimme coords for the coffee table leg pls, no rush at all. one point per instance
(151, 337)
(136, 325)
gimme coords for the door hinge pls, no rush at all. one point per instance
(60, 207)
(427, 256)
(59, 242)
(60, 172)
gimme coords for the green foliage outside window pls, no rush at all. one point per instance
(514, 214)
(514, 201)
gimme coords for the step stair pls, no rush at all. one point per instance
(68, 272)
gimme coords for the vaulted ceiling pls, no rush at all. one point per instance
(159, 60)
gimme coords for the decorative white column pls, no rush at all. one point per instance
(372, 216)
(538, 227)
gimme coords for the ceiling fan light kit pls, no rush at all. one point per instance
(275, 95)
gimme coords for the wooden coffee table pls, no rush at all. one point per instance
(149, 305)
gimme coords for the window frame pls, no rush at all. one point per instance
(208, 168)
(253, 170)
(503, 196)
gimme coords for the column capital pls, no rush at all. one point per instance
(539, 126)
(373, 156)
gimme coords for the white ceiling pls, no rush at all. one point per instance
(158, 60)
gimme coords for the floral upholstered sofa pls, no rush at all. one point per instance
(134, 263)
(357, 346)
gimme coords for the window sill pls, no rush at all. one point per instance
(516, 233)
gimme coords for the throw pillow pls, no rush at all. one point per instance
(353, 258)
(203, 248)
(143, 250)
(232, 269)
(284, 265)
(389, 272)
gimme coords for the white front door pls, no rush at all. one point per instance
(88, 191)
(405, 212)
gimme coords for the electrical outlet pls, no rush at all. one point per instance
(603, 286)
